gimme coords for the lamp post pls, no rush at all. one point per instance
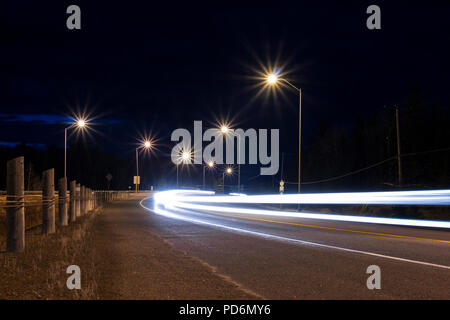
(272, 79)
(146, 145)
(184, 157)
(225, 130)
(227, 171)
(209, 165)
(79, 124)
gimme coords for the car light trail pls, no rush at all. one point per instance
(426, 197)
(189, 199)
(171, 214)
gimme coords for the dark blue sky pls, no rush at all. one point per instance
(140, 67)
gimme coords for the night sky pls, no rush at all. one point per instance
(142, 68)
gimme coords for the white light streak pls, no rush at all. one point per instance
(190, 199)
(173, 215)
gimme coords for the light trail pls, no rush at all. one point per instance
(189, 199)
(426, 197)
(173, 215)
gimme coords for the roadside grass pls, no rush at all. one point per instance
(39, 272)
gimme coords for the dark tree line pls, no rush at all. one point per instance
(369, 140)
(89, 165)
(424, 144)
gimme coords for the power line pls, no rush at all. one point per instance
(348, 173)
(424, 152)
(365, 168)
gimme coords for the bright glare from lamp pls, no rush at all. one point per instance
(147, 144)
(272, 78)
(229, 170)
(185, 155)
(210, 164)
(224, 129)
(81, 123)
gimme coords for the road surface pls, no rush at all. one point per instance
(293, 258)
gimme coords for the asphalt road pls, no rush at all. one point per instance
(294, 258)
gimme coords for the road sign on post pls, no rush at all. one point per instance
(137, 182)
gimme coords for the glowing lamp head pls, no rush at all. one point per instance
(147, 144)
(229, 171)
(224, 129)
(81, 123)
(272, 78)
(185, 155)
(210, 164)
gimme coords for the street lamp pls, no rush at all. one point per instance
(79, 124)
(272, 79)
(226, 171)
(183, 157)
(210, 165)
(147, 144)
(225, 130)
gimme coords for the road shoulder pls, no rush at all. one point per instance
(133, 263)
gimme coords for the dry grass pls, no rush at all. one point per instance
(40, 271)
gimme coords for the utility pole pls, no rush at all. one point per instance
(399, 161)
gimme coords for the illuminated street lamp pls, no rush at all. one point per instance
(226, 171)
(209, 165)
(225, 130)
(272, 79)
(183, 157)
(147, 144)
(79, 124)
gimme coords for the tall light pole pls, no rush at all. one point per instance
(227, 171)
(272, 79)
(184, 157)
(177, 175)
(209, 165)
(225, 131)
(146, 145)
(80, 124)
(399, 161)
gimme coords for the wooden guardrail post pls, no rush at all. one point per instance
(93, 200)
(48, 201)
(15, 211)
(89, 199)
(73, 195)
(83, 200)
(86, 191)
(77, 200)
(62, 197)
(86, 196)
